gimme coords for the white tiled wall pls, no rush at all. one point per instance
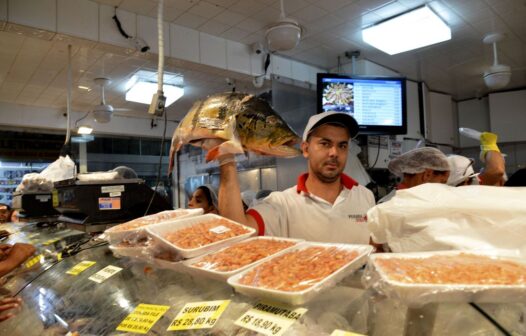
(212, 50)
(39, 14)
(184, 43)
(78, 18)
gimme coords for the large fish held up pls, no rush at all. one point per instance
(234, 123)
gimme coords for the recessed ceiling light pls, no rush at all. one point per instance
(84, 88)
(142, 92)
(411, 30)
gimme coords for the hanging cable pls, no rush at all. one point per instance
(159, 167)
(68, 99)
(160, 31)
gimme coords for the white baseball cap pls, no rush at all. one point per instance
(343, 119)
(461, 169)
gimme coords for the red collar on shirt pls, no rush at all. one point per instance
(347, 182)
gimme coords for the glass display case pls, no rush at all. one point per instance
(56, 303)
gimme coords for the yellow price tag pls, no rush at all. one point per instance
(59, 256)
(270, 319)
(199, 315)
(105, 273)
(35, 260)
(54, 197)
(51, 241)
(142, 318)
(339, 332)
(80, 267)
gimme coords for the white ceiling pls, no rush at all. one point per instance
(334, 26)
(33, 71)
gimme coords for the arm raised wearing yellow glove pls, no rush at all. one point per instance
(494, 167)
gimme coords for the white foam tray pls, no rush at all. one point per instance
(132, 252)
(225, 275)
(418, 294)
(303, 296)
(117, 236)
(158, 231)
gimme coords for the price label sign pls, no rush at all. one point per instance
(80, 267)
(339, 332)
(33, 261)
(270, 319)
(105, 273)
(142, 318)
(51, 241)
(199, 315)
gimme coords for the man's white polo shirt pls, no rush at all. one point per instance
(296, 213)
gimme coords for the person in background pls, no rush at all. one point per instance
(6, 304)
(418, 166)
(248, 197)
(204, 197)
(326, 205)
(12, 256)
(260, 195)
(5, 213)
(493, 173)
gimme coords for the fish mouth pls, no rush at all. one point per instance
(285, 149)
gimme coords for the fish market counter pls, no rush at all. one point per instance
(67, 296)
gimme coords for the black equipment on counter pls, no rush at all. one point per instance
(105, 202)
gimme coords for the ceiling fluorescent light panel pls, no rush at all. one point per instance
(412, 30)
(142, 92)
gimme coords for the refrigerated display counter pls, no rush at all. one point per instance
(58, 303)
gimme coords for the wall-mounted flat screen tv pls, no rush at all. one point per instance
(377, 103)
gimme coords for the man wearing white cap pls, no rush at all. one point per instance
(326, 205)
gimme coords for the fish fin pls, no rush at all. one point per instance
(212, 154)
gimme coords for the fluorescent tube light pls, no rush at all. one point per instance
(84, 130)
(412, 30)
(142, 92)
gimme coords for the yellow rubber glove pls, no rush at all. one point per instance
(488, 142)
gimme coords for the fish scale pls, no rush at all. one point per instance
(234, 123)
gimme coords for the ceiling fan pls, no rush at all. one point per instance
(102, 112)
(285, 34)
(497, 75)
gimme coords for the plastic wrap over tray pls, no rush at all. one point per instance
(192, 237)
(448, 276)
(298, 274)
(135, 229)
(235, 258)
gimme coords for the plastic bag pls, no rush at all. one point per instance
(434, 216)
(62, 169)
(34, 182)
(99, 176)
(447, 276)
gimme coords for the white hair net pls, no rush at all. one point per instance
(461, 169)
(418, 160)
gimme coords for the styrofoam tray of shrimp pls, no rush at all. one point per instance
(297, 275)
(195, 236)
(234, 258)
(136, 228)
(447, 276)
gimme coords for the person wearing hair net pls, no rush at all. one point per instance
(204, 197)
(418, 166)
(493, 173)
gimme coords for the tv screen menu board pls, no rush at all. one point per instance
(377, 103)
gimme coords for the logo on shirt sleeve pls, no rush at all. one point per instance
(358, 218)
